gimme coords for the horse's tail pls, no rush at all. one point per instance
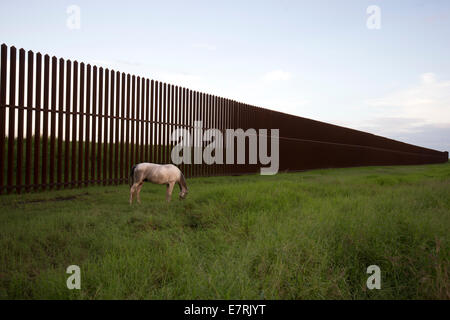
(131, 178)
(183, 181)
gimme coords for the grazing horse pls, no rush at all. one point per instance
(167, 174)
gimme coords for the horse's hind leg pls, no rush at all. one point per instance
(138, 192)
(133, 190)
(169, 191)
(131, 194)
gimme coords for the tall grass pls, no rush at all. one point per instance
(308, 235)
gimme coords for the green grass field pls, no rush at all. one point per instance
(308, 235)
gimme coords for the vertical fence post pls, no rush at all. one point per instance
(206, 109)
(212, 118)
(29, 120)
(105, 128)
(160, 96)
(221, 102)
(211, 126)
(225, 140)
(143, 122)
(247, 166)
(164, 126)
(94, 151)
(216, 126)
(209, 167)
(87, 142)
(177, 113)
(197, 117)
(155, 123)
(193, 117)
(233, 125)
(122, 129)
(19, 159)
(60, 112)
(138, 120)
(74, 124)
(227, 126)
(37, 122)
(188, 106)
(186, 124)
(163, 123)
(67, 124)
(223, 124)
(232, 121)
(204, 118)
(100, 126)
(152, 120)
(52, 125)
(182, 122)
(219, 127)
(111, 144)
(81, 127)
(3, 66)
(219, 144)
(45, 120)
(127, 147)
(117, 140)
(147, 120)
(167, 125)
(171, 122)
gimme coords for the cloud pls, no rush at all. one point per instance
(427, 102)
(431, 136)
(409, 130)
(418, 115)
(428, 78)
(434, 136)
(277, 75)
(204, 46)
(391, 125)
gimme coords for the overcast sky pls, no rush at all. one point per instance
(315, 59)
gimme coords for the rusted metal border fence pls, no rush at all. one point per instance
(64, 124)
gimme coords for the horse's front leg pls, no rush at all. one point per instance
(132, 190)
(169, 191)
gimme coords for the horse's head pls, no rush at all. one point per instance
(183, 194)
